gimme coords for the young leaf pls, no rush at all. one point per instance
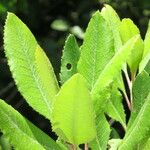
(21, 133)
(72, 109)
(69, 59)
(128, 30)
(102, 133)
(146, 53)
(139, 129)
(114, 23)
(97, 49)
(141, 90)
(115, 107)
(23, 52)
(112, 70)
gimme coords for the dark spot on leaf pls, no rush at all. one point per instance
(68, 66)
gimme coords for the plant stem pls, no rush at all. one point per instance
(86, 147)
(129, 82)
(127, 100)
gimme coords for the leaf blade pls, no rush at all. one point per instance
(97, 49)
(140, 92)
(22, 135)
(20, 48)
(146, 53)
(127, 30)
(113, 68)
(114, 23)
(68, 120)
(70, 57)
(139, 128)
(102, 133)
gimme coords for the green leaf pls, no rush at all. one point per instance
(114, 134)
(114, 143)
(21, 133)
(69, 59)
(141, 90)
(60, 25)
(73, 115)
(145, 63)
(101, 92)
(111, 71)
(139, 129)
(27, 62)
(47, 142)
(146, 53)
(115, 107)
(147, 42)
(97, 49)
(128, 30)
(102, 133)
(46, 74)
(147, 68)
(4, 143)
(114, 23)
(147, 145)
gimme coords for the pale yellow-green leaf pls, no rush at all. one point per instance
(73, 114)
(128, 30)
(114, 23)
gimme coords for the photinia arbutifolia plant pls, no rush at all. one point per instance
(109, 71)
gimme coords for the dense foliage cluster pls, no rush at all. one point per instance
(108, 72)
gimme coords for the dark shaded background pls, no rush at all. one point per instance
(51, 21)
